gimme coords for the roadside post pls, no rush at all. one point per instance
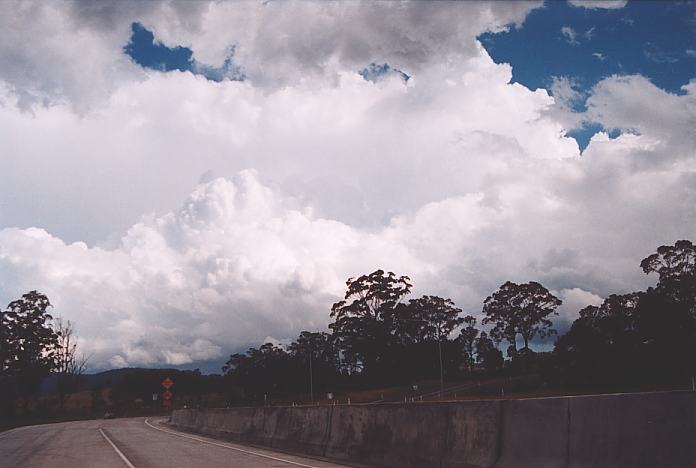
(167, 395)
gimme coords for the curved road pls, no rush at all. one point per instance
(131, 443)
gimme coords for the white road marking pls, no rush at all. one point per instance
(118, 452)
(147, 421)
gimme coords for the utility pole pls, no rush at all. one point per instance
(311, 377)
(439, 351)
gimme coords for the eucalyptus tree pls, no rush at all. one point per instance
(316, 353)
(487, 353)
(364, 320)
(466, 340)
(676, 268)
(427, 318)
(520, 309)
(29, 343)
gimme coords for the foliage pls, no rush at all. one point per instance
(676, 267)
(376, 338)
(317, 346)
(364, 321)
(428, 318)
(28, 347)
(261, 371)
(601, 338)
(29, 343)
(641, 337)
(467, 341)
(520, 309)
(315, 355)
(487, 353)
(420, 339)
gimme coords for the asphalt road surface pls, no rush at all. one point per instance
(137, 442)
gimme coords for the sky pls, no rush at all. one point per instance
(188, 179)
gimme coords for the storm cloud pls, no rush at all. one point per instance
(176, 219)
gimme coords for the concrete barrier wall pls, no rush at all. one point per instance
(649, 430)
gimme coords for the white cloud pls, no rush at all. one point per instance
(599, 56)
(409, 36)
(599, 4)
(570, 35)
(238, 262)
(72, 51)
(635, 104)
(458, 178)
(567, 99)
(47, 56)
(339, 146)
(574, 300)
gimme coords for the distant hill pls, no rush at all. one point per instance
(116, 376)
(107, 378)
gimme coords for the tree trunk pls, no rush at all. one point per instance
(526, 353)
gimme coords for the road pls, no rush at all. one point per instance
(136, 442)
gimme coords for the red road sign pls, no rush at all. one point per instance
(167, 383)
(167, 395)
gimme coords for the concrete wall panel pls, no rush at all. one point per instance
(606, 431)
(534, 433)
(473, 436)
(638, 431)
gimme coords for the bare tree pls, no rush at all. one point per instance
(69, 365)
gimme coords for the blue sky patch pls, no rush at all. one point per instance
(653, 39)
(373, 72)
(149, 53)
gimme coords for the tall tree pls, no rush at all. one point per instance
(316, 353)
(603, 343)
(427, 318)
(520, 309)
(487, 354)
(598, 329)
(317, 345)
(266, 370)
(30, 343)
(676, 268)
(364, 320)
(466, 340)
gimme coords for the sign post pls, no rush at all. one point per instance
(167, 395)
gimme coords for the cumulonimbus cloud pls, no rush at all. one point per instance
(224, 213)
(274, 43)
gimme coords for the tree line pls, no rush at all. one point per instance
(640, 337)
(377, 337)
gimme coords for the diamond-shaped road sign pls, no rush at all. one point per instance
(167, 395)
(167, 383)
